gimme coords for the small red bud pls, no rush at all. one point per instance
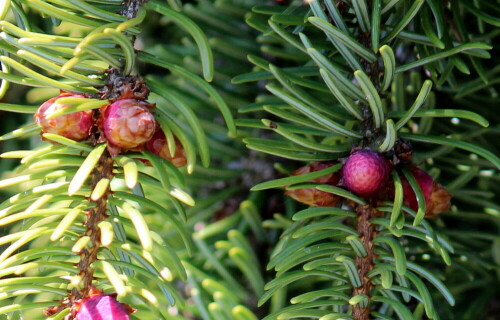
(75, 126)
(311, 196)
(365, 172)
(102, 307)
(159, 146)
(437, 198)
(128, 123)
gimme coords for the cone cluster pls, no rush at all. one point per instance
(367, 174)
(125, 124)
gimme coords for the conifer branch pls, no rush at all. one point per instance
(117, 85)
(364, 227)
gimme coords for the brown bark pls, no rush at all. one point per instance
(131, 7)
(104, 170)
(365, 264)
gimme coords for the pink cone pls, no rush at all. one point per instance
(365, 172)
(75, 126)
(102, 307)
(128, 123)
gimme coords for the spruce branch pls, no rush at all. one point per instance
(366, 230)
(117, 86)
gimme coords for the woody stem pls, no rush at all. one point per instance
(364, 264)
(104, 170)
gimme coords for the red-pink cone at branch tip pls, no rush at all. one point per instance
(437, 198)
(128, 123)
(311, 196)
(159, 146)
(365, 172)
(75, 126)
(102, 307)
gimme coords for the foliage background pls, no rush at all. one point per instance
(236, 232)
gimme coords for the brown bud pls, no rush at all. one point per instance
(311, 196)
(437, 198)
(158, 145)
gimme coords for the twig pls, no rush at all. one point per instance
(104, 170)
(131, 7)
(366, 229)
(365, 264)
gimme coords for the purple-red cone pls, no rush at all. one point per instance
(437, 198)
(365, 172)
(128, 123)
(311, 196)
(75, 126)
(102, 307)
(159, 146)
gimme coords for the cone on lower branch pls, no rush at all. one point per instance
(101, 306)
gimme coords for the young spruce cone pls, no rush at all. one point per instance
(75, 126)
(128, 123)
(365, 172)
